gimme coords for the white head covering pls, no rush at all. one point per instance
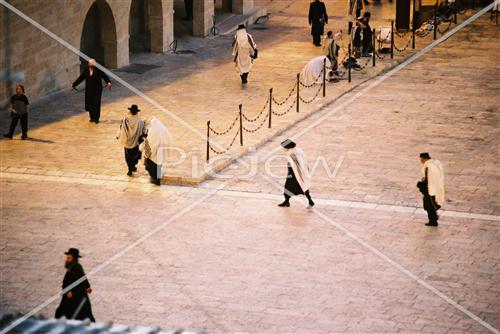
(297, 160)
(243, 48)
(156, 142)
(435, 179)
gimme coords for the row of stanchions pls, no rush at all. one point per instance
(241, 117)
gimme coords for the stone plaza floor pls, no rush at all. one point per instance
(222, 257)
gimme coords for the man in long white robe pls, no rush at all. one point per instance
(432, 187)
(155, 147)
(244, 52)
(298, 180)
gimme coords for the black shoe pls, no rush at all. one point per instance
(91, 120)
(431, 224)
(7, 136)
(285, 204)
(129, 173)
(310, 206)
(157, 182)
(96, 121)
(134, 169)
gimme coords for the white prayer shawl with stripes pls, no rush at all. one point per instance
(435, 179)
(243, 48)
(156, 143)
(297, 160)
(312, 72)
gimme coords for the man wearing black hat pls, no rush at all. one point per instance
(317, 20)
(432, 187)
(244, 52)
(75, 302)
(131, 133)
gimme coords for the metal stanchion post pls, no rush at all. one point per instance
(298, 91)
(373, 46)
(324, 77)
(270, 106)
(435, 20)
(241, 125)
(349, 64)
(208, 141)
(392, 39)
(413, 26)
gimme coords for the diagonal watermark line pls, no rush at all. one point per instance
(133, 89)
(393, 263)
(384, 77)
(115, 257)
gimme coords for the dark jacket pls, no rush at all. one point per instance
(78, 306)
(317, 17)
(93, 87)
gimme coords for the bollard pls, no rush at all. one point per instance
(373, 46)
(270, 106)
(392, 39)
(298, 91)
(324, 77)
(435, 20)
(349, 64)
(413, 25)
(241, 125)
(208, 141)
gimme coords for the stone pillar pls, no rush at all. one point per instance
(122, 52)
(242, 6)
(203, 10)
(161, 24)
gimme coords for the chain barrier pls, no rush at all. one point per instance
(401, 35)
(259, 127)
(251, 120)
(287, 111)
(403, 49)
(320, 76)
(222, 133)
(313, 98)
(228, 147)
(287, 98)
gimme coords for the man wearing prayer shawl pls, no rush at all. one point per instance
(298, 180)
(317, 20)
(244, 52)
(131, 133)
(432, 187)
(93, 89)
(312, 72)
(154, 149)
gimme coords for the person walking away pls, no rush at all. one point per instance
(298, 180)
(75, 303)
(317, 20)
(154, 147)
(130, 134)
(354, 8)
(244, 52)
(93, 89)
(432, 187)
(19, 111)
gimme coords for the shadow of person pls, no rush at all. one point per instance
(38, 140)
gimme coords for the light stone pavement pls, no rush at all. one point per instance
(238, 263)
(198, 88)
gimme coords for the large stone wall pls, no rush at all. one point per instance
(49, 66)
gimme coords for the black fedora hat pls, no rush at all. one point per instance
(73, 252)
(134, 108)
(425, 155)
(287, 143)
(241, 26)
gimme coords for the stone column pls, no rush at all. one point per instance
(203, 10)
(242, 6)
(161, 24)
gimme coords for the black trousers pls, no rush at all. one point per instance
(317, 39)
(24, 124)
(244, 77)
(431, 207)
(132, 156)
(154, 170)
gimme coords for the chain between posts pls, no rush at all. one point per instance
(222, 133)
(227, 148)
(287, 98)
(315, 81)
(258, 127)
(251, 120)
(286, 111)
(313, 98)
(404, 47)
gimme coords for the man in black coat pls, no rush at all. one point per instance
(93, 89)
(75, 303)
(317, 19)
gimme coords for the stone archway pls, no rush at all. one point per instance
(146, 26)
(98, 39)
